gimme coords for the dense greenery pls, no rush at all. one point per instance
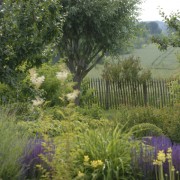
(43, 134)
(27, 31)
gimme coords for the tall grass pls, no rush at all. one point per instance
(13, 142)
(112, 147)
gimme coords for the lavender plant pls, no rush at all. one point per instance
(149, 150)
(32, 157)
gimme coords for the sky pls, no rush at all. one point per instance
(150, 12)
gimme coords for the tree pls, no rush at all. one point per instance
(27, 28)
(153, 28)
(91, 29)
(173, 38)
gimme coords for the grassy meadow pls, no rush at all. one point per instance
(163, 64)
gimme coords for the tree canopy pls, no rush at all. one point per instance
(173, 38)
(93, 28)
(26, 29)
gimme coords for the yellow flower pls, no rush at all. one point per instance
(86, 158)
(96, 163)
(161, 156)
(168, 156)
(169, 150)
(80, 174)
(172, 169)
(100, 163)
(156, 162)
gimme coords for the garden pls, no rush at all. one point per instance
(48, 130)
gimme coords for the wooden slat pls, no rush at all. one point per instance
(113, 94)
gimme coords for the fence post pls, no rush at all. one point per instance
(107, 95)
(145, 92)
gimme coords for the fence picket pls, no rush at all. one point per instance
(113, 94)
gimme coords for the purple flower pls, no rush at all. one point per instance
(148, 153)
(32, 158)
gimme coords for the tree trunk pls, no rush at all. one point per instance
(78, 80)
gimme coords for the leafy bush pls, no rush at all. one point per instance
(174, 86)
(167, 118)
(13, 141)
(55, 89)
(20, 91)
(128, 69)
(135, 115)
(86, 96)
(105, 154)
(93, 111)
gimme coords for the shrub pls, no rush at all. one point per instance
(132, 116)
(86, 96)
(167, 119)
(93, 111)
(55, 89)
(128, 69)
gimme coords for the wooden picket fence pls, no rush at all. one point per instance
(111, 95)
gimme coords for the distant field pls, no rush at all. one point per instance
(163, 64)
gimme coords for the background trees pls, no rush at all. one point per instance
(153, 28)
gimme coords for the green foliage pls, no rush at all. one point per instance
(21, 91)
(13, 141)
(174, 86)
(171, 125)
(93, 111)
(144, 129)
(55, 89)
(167, 119)
(105, 154)
(46, 126)
(128, 69)
(86, 93)
(28, 29)
(173, 22)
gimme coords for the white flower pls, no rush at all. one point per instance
(38, 101)
(72, 96)
(37, 81)
(62, 75)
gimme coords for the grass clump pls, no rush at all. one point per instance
(12, 146)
